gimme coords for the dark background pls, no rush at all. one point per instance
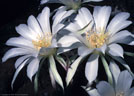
(15, 12)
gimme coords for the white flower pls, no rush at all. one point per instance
(36, 41)
(122, 84)
(73, 4)
(92, 35)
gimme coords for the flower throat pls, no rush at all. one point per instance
(42, 41)
(96, 40)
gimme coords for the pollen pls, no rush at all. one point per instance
(120, 94)
(42, 41)
(96, 40)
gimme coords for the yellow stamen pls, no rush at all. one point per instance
(42, 41)
(120, 94)
(96, 40)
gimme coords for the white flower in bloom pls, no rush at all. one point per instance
(73, 4)
(92, 35)
(36, 41)
(122, 86)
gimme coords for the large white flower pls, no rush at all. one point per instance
(36, 41)
(97, 38)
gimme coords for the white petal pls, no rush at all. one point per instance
(83, 51)
(130, 92)
(82, 22)
(67, 41)
(81, 39)
(65, 49)
(32, 68)
(60, 16)
(72, 70)
(24, 31)
(61, 61)
(131, 43)
(95, 13)
(73, 27)
(119, 27)
(124, 81)
(44, 1)
(49, 1)
(19, 42)
(67, 14)
(17, 71)
(86, 13)
(57, 28)
(91, 69)
(120, 37)
(79, 22)
(93, 92)
(102, 49)
(52, 78)
(34, 25)
(83, 18)
(15, 52)
(119, 22)
(115, 70)
(121, 61)
(115, 50)
(54, 42)
(101, 20)
(20, 60)
(105, 89)
(54, 71)
(43, 19)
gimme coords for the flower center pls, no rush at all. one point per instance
(96, 40)
(42, 41)
(120, 94)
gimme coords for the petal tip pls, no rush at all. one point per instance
(4, 59)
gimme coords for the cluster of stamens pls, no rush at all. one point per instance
(42, 41)
(120, 94)
(96, 40)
